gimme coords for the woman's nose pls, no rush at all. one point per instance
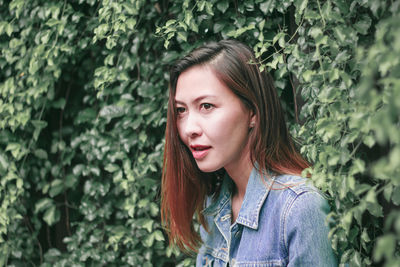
(192, 126)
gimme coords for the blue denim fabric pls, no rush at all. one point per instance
(281, 223)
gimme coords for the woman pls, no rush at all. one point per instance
(230, 160)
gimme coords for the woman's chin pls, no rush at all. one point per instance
(208, 167)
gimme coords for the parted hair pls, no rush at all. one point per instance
(184, 186)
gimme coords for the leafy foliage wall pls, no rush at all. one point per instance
(83, 89)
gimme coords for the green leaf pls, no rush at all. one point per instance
(70, 181)
(384, 247)
(311, 15)
(3, 163)
(363, 24)
(201, 4)
(51, 216)
(209, 9)
(143, 203)
(396, 195)
(53, 22)
(38, 124)
(301, 6)
(111, 112)
(111, 167)
(158, 235)
(60, 103)
(365, 236)
(223, 5)
(218, 27)
(267, 6)
(15, 149)
(131, 23)
(86, 115)
(57, 187)
(170, 22)
(369, 141)
(40, 153)
(278, 37)
(147, 224)
(33, 66)
(182, 36)
(43, 204)
(78, 169)
(148, 240)
(358, 166)
(307, 75)
(9, 29)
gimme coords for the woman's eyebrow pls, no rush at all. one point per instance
(196, 100)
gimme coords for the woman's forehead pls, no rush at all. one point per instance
(199, 82)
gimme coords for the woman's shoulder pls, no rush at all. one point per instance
(303, 222)
(288, 191)
(293, 184)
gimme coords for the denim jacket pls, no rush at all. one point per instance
(281, 223)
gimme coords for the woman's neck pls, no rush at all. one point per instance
(239, 173)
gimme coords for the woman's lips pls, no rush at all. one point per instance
(199, 151)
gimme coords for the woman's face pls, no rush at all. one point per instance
(212, 121)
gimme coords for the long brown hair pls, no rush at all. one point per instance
(184, 186)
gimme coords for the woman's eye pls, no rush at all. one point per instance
(180, 110)
(206, 106)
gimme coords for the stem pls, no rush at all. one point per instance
(320, 12)
(28, 224)
(48, 236)
(291, 38)
(296, 112)
(320, 63)
(31, 141)
(67, 224)
(60, 138)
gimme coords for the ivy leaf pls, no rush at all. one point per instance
(40, 153)
(369, 141)
(39, 125)
(148, 240)
(131, 23)
(158, 235)
(57, 186)
(363, 24)
(267, 6)
(182, 36)
(111, 167)
(146, 224)
(70, 181)
(86, 115)
(396, 195)
(60, 103)
(51, 216)
(15, 149)
(9, 29)
(209, 8)
(223, 5)
(3, 163)
(111, 111)
(53, 22)
(43, 204)
(301, 6)
(384, 247)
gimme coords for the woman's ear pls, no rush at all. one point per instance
(252, 120)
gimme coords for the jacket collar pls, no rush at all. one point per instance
(257, 191)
